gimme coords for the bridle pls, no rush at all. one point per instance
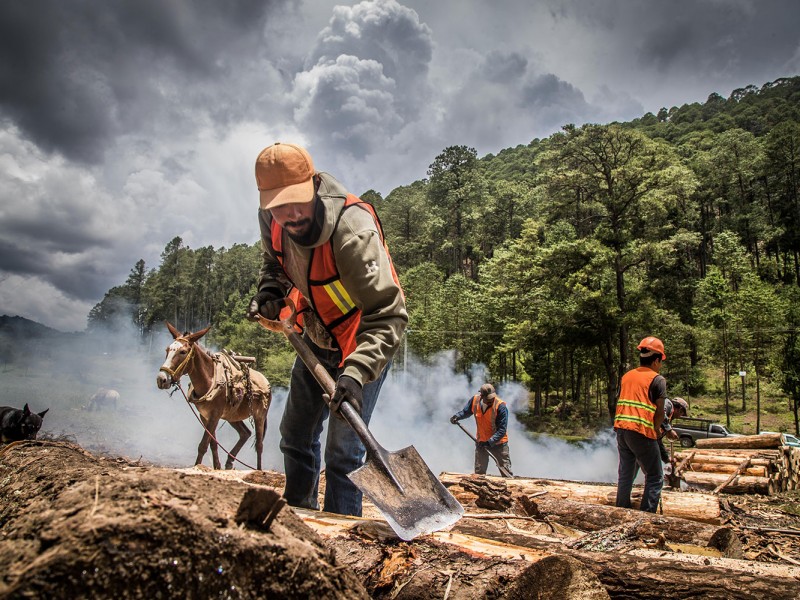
(179, 371)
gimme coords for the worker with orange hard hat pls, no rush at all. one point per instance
(637, 422)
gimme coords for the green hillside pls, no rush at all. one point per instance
(549, 262)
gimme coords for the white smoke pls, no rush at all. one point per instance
(414, 409)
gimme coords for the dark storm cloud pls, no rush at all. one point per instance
(74, 74)
(548, 91)
(87, 283)
(504, 68)
(366, 76)
(725, 38)
(504, 102)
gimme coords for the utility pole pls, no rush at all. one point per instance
(742, 374)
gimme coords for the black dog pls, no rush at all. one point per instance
(16, 424)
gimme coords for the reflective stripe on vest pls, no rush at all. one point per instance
(635, 411)
(487, 421)
(329, 299)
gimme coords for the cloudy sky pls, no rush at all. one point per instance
(124, 123)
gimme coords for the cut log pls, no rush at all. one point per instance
(704, 467)
(464, 564)
(685, 505)
(732, 476)
(451, 565)
(594, 517)
(771, 453)
(650, 574)
(767, 440)
(734, 461)
(739, 485)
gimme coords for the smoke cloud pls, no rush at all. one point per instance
(160, 427)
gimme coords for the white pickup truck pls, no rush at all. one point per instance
(690, 430)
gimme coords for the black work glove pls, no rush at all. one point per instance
(454, 419)
(347, 390)
(267, 303)
(483, 444)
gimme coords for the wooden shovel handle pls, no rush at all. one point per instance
(286, 327)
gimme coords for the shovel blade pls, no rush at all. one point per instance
(422, 506)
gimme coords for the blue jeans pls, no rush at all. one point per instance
(301, 428)
(638, 451)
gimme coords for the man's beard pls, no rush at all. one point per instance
(301, 225)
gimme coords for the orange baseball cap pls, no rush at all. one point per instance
(284, 174)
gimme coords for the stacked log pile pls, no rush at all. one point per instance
(523, 538)
(74, 525)
(751, 464)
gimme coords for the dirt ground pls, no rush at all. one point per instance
(80, 525)
(75, 525)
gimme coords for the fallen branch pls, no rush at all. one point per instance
(733, 476)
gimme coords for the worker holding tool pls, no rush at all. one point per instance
(673, 408)
(639, 415)
(324, 248)
(491, 418)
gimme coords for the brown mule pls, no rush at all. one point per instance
(214, 397)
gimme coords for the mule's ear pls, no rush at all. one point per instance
(44, 412)
(25, 410)
(175, 333)
(193, 337)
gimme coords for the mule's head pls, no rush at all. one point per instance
(179, 355)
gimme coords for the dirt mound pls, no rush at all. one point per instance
(77, 525)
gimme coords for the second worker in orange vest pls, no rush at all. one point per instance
(638, 418)
(491, 418)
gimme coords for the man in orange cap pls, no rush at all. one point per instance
(674, 408)
(324, 247)
(638, 418)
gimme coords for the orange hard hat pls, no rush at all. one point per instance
(654, 345)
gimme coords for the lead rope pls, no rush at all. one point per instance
(177, 384)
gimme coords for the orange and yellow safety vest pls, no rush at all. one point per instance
(329, 298)
(635, 410)
(486, 420)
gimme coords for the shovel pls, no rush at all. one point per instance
(399, 484)
(503, 471)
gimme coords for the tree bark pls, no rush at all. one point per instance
(686, 505)
(594, 517)
(750, 442)
(740, 485)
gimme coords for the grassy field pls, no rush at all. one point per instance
(775, 406)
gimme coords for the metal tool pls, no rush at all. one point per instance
(399, 484)
(503, 471)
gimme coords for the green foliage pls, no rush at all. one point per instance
(547, 262)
